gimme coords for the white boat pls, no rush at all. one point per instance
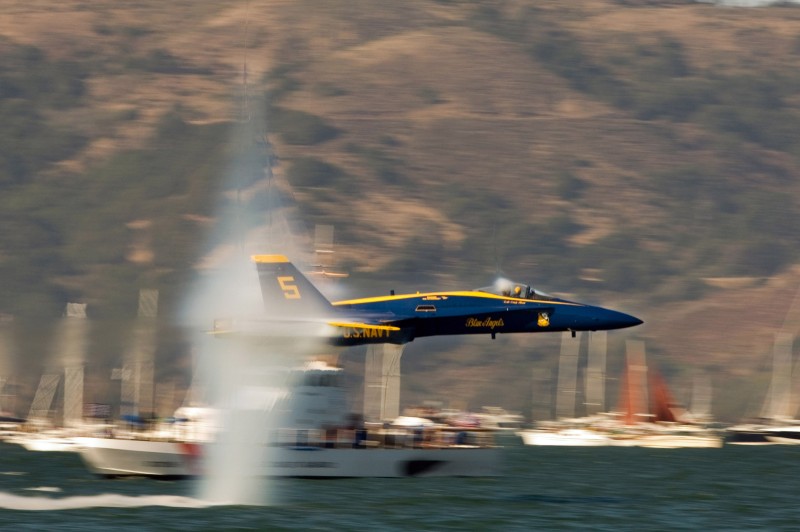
(45, 441)
(320, 442)
(564, 437)
(499, 419)
(754, 434)
(677, 437)
(113, 457)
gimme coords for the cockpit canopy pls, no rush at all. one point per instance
(506, 287)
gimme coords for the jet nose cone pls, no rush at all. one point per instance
(620, 320)
(591, 318)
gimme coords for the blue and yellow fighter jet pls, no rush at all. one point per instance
(398, 319)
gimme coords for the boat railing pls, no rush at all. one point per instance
(436, 437)
(397, 438)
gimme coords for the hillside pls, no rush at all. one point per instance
(627, 153)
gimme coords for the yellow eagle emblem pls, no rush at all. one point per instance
(544, 319)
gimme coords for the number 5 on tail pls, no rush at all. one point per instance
(290, 290)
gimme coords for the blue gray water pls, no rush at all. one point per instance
(607, 488)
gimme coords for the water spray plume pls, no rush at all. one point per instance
(241, 349)
(241, 372)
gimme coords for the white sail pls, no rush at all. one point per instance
(138, 365)
(637, 380)
(567, 375)
(72, 353)
(382, 382)
(596, 373)
(700, 404)
(43, 400)
(778, 401)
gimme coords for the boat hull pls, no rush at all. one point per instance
(589, 438)
(669, 441)
(174, 460)
(564, 438)
(763, 435)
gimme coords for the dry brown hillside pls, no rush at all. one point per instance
(450, 124)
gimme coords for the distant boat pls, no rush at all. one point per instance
(498, 418)
(757, 434)
(647, 416)
(572, 437)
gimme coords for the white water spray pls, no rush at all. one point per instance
(244, 381)
(239, 376)
(9, 501)
(233, 463)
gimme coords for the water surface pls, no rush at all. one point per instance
(603, 488)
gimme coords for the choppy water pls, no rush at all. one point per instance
(606, 488)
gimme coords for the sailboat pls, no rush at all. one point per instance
(777, 425)
(568, 430)
(656, 421)
(42, 434)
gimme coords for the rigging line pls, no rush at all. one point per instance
(494, 243)
(270, 203)
(243, 118)
(791, 322)
(245, 103)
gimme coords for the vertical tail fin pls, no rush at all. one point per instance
(286, 291)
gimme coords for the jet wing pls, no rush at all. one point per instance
(367, 326)
(255, 327)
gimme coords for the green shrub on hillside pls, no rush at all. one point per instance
(682, 183)
(429, 95)
(162, 61)
(30, 84)
(329, 90)
(28, 143)
(660, 60)
(27, 74)
(178, 157)
(311, 172)
(490, 19)
(761, 258)
(280, 84)
(568, 185)
(382, 165)
(676, 99)
(771, 128)
(562, 53)
(299, 127)
(625, 263)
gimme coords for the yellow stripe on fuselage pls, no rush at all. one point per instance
(269, 259)
(484, 295)
(363, 326)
